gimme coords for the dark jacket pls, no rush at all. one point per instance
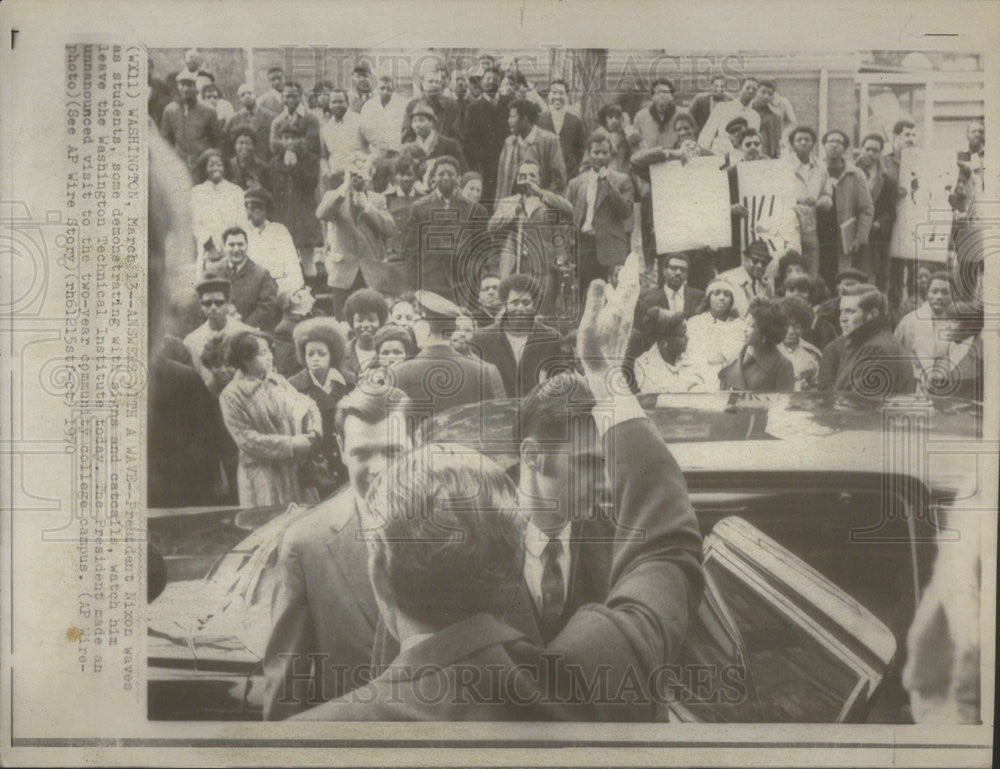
(253, 174)
(768, 371)
(612, 217)
(656, 297)
(259, 121)
(485, 132)
(443, 248)
(545, 150)
(702, 106)
(883, 192)
(323, 605)
(572, 139)
(293, 189)
(439, 378)
(542, 357)
(868, 361)
(654, 587)
(358, 240)
(254, 294)
(450, 147)
(190, 130)
(449, 118)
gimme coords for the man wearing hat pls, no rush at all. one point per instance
(358, 229)
(361, 86)
(439, 377)
(270, 244)
(254, 117)
(424, 120)
(188, 125)
(734, 129)
(748, 280)
(213, 301)
(446, 108)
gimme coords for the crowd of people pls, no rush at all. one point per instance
(359, 233)
(362, 260)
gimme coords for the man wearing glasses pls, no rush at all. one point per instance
(748, 280)
(213, 299)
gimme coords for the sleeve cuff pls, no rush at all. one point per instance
(621, 408)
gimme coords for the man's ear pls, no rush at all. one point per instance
(532, 455)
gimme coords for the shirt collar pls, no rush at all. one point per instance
(530, 138)
(332, 376)
(300, 111)
(535, 539)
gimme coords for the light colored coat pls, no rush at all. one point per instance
(263, 416)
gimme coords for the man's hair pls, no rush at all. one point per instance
(767, 84)
(322, 85)
(940, 275)
(292, 84)
(525, 109)
(772, 323)
(210, 87)
(659, 323)
(557, 410)
(801, 129)
(607, 111)
(495, 70)
(243, 348)
(901, 125)
(488, 273)
(850, 274)
(445, 160)
(871, 299)
(748, 132)
(343, 92)
(324, 330)
(231, 231)
(875, 138)
(245, 131)
(214, 353)
(685, 117)
(799, 283)
(364, 301)
(373, 404)
(790, 257)
(745, 79)
(446, 532)
(600, 136)
(391, 332)
(469, 176)
(798, 311)
(409, 298)
(559, 81)
(677, 255)
(272, 70)
(662, 81)
(838, 132)
(518, 282)
(404, 163)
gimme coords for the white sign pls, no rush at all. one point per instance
(690, 205)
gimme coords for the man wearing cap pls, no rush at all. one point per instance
(439, 377)
(270, 244)
(254, 117)
(446, 108)
(443, 247)
(361, 87)
(340, 138)
(213, 301)
(358, 230)
(188, 125)
(713, 135)
(423, 120)
(748, 280)
(296, 115)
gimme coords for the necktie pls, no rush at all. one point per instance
(753, 287)
(553, 590)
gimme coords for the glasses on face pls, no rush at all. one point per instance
(760, 260)
(751, 145)
(213, 302)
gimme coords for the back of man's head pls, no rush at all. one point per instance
(445, 533)
(870, 298)
(558, 410)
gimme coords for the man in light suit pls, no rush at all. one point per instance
(359, 229)
(323, 611)
(602, 212)
(441, 598)
(439, 377)
(528, 142)
(748, 280)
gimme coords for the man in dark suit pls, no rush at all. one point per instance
(485, 131)
(529, 143)
(523, 349)
(602, 211)
(439, 377)
(874, 259)
(442, 247)
(448, 116)
(703, 104)
(323, 612)
(676, 295)
(567, 126)
(253, 292)
(423, 120)
(441, 596)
